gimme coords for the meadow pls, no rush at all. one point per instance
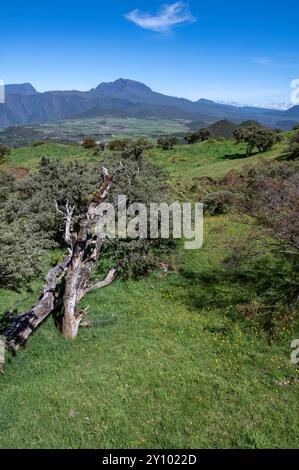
(170, 363)
(102, 128)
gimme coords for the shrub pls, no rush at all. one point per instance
(273, 319)
(220, 202)
(7, 182)
(4, 152)
(269, 256)
(199, 136)
(118, 145)
(257, 137)
(35, 195)
(294, 147)
(168, 143)
(37, 143)
(89, 143)
(20, 256)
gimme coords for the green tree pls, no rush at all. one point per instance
(89, 143)
(4, 152)
(129, 173)
(269, 257)
(130, 147)
(20, 253)
(199, 136)
(118, 145)
(294, 147)
(36, 195)
(7, 185)
(167, 143)
(261, 138)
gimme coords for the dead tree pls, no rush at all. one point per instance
(84, 250)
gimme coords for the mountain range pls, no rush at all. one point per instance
(126, 98)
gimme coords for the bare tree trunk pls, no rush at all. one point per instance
(76, 288)
(84, 253)
(25, 324)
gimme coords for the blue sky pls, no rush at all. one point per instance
(242, 51)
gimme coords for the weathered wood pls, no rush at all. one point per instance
(84, 249)
(25, 324)
(86, 254)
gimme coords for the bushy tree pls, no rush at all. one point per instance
(128, 147)
(37, 143)
(294, 147)
(89, 143)
(199, 136)
(272, 197)
(257, 137)
(118, 145)
(217, 203)
(20, 253)
(7, 185)
(167, 143)
(135, 148)
(36, 195)
(147, 184)
(269, 194)
(4, 152)
(129, 173)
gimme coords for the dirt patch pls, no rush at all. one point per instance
(19, 172)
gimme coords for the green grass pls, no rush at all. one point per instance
(28, 157)
(209, 159)
(178, 368)
(166, 374)
(184, 161)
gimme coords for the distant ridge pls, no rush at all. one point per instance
(226, 128)
(25, 89)
(124, 97)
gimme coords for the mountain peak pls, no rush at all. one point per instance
(122, 84)
(293, 111)
(20, 89)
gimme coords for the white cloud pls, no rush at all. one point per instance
(169, 15)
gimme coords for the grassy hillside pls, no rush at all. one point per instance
(213, 159)
(210, 158)
(176, 368)
(28, 157)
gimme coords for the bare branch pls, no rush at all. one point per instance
(25, 324)
(105, 282)
(104, 173)
(68, 217)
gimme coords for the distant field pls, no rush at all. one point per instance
(109, 128)
(101, 128)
